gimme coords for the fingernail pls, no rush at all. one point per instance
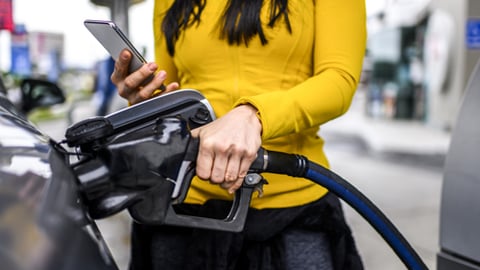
(125, 55)
(152, 66)
(162, 74)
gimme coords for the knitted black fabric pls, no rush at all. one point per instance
(258, 247)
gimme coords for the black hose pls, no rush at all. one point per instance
(299, 166)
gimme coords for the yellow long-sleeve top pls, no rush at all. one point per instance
(297, 81)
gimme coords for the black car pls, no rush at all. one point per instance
(43, 223)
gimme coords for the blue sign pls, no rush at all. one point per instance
(473, 34)
(20, 54)
(20, 58)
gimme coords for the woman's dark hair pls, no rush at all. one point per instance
(241, 20)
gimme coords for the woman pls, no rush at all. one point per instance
(274, 71)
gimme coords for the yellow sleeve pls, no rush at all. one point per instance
(340, 41)
(162, 58)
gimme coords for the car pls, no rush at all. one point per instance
(43, 223)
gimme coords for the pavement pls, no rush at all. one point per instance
(389, 136)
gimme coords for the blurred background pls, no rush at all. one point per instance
(391, 145)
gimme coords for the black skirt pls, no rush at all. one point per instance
(258, 246)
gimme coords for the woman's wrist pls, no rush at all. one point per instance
(253, 115)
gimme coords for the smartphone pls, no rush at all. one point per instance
(114, 41)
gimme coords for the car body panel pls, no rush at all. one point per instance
(43, 224)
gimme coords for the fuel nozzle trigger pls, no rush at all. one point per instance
(256, 181)
(235, 219)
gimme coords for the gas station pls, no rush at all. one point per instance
(442, 38)
(448, 35)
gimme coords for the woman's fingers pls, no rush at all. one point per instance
(135, 80)
(227, 147)
(138, 78)
(237, 169)
(218, 169)
(121, 66)
(136, 87)
(204, 160)
(171, 87)
(223, 169)
(231, 187)
(232, 169)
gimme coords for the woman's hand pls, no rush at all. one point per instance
(130, 86)
(228, 146)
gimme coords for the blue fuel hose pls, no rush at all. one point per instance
(299, 166)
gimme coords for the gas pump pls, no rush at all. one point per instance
(460, 211)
